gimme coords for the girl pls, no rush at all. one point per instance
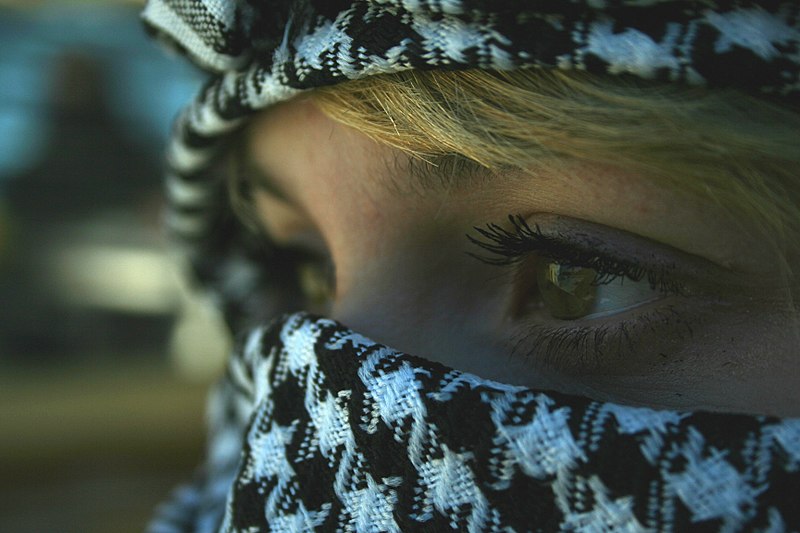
(590, 210)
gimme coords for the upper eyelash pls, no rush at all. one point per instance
(510, 246)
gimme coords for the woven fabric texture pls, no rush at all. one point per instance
(316, 427)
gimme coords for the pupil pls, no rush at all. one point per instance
(568, 292)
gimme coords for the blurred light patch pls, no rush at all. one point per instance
(144, 87)
(24, 138)
(200, 341)
(144, 281)
(121, 279)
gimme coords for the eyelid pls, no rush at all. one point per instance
(261, 182)
(279, 216)
(251, 172)
(623, 245)
(280, 220)
(287, 227)
(582, 243)
(611, 344)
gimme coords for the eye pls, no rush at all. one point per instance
(570, 270)
(572, 292)
(316, 279)
(583, 295)
(288, 232)
(567, 292)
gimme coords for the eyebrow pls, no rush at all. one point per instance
(445, 172)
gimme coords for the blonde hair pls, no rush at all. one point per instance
(738, 150)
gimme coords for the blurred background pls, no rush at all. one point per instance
(105, 356)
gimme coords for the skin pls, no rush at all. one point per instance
(727, 342)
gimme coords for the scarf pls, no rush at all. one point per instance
(316, 427)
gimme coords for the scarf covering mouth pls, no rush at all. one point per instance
(315, 427)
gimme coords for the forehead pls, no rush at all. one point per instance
(342, 179)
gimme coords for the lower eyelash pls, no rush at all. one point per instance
(581, 348)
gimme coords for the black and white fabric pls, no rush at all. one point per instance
(315, 427)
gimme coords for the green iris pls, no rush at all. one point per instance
(568, 292)
(316, 283)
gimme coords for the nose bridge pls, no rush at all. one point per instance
(383, 295)
(367, 236)
(396, 277)
(419, 315)
(397, 297)
(369, 292)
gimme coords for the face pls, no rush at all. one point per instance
(592, 281)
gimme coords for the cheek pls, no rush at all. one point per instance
(731, 362)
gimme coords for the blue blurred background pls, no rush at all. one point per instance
(104, 354)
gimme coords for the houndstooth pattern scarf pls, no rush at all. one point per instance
(316, 427)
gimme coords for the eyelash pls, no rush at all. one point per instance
(580, 348)
(575, 345)
(510, 247)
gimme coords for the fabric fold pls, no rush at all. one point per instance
(317, 427)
